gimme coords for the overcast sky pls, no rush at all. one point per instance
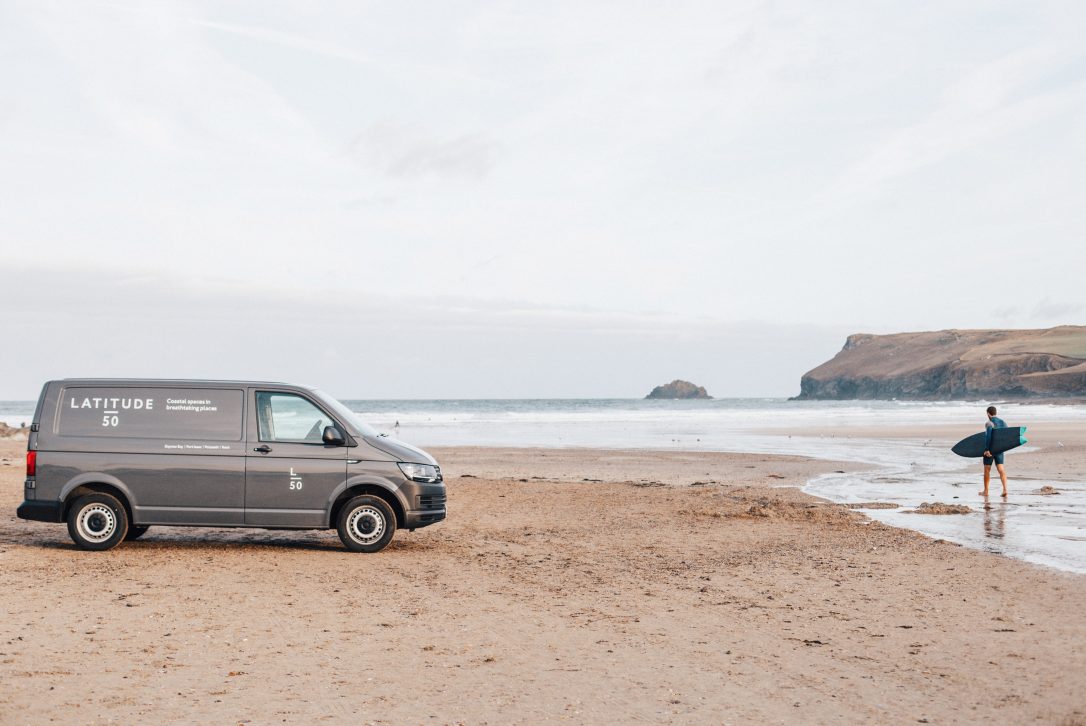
(529, 199)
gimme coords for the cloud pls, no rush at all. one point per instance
(288, 40)
(144, 82)
(403, 152)
(1007, 312)
(586, 144)
(984, 103)
(1052, 310)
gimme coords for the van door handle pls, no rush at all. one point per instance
(265, 449)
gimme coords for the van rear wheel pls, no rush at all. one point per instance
(97, 521)
(366, 524)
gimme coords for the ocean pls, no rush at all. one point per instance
(1048, 530)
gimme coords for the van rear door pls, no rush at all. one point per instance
(290, 472)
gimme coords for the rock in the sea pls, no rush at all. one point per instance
(940, 508)
(679, 389)
(955, 364)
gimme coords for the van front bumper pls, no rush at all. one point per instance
(427, 504)
(423, 518)
(40, 511)
(429, 507)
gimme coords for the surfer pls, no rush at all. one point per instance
(994, 422)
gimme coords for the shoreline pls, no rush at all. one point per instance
(1041, 522)
(1028, 527)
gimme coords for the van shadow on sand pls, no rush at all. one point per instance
(212, 539)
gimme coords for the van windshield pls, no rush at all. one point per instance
(346, 414)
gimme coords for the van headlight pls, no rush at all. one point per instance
(421, 472)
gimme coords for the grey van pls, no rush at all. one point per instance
(114, 457)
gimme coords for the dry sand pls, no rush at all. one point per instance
(646, 597)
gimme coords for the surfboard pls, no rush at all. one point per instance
(1003, 439)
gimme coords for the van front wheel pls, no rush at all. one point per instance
(97, 522)
(366, 524)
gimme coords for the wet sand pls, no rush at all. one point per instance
(1057, 451)
(681, 588)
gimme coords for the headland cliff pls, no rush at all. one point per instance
(955, 364)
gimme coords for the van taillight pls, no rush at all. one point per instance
(31, 463)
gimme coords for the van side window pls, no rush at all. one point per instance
(290, 419)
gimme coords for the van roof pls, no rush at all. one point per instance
(173, 382)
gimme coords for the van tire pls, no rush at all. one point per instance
(366, 524)
(135, 532)
(97, 521)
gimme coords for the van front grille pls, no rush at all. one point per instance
(434, 501)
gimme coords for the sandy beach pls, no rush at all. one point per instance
(566, 586)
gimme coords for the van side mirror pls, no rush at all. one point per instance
(333, 437)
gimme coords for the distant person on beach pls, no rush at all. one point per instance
(994, 422)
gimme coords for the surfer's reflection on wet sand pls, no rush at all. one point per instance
(995, 519)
